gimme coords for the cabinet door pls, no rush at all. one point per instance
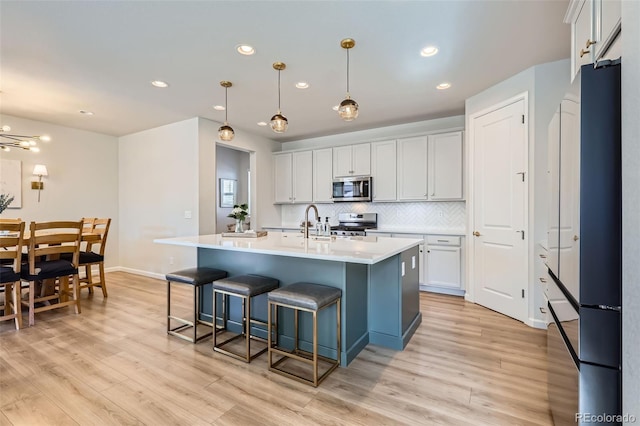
(608, 14)
(361, 159)
(383, 170)
(445, 166)
(302, 177)
(443, 266)
(342, 161)
(282, 174)
(582, 36)
(322, 175)
(412, 168)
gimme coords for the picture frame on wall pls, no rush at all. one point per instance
(228, 192)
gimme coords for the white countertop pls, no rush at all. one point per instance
(367, 250)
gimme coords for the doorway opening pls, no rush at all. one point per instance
(233, 177)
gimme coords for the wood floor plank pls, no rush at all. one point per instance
(115, 364)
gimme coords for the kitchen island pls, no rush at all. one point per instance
(378, 278)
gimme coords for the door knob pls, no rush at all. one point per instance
(476, 233)
(576, 238)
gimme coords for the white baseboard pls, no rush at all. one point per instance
(136, 272)
(536, 323)
(441, 290)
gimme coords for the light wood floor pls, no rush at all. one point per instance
(115, 364)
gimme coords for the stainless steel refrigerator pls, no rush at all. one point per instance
(584, 336)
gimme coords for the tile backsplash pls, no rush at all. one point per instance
(437, 215)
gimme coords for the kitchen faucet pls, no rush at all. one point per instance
(306, 219)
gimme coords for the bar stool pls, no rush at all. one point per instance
(305, 297)
(245, 287)
(196, 277)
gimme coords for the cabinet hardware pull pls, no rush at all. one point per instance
(443, 241)
(544, 280)
(583, 52)
(589, 43)
(476, 233)
(576, 238)
(543, 310)
(544, 256)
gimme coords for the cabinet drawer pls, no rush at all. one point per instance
(442, 240)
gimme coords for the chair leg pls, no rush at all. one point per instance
(32, 303)
(103, 282)
(17, 306)
(247, 322)
(89, 278)
(195, 313)
(315, 348)
(76, 292)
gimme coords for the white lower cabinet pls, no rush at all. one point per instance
(443, 265)
(441, 261)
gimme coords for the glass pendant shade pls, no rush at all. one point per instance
(226, 133)
(279, 123)
(348, 109)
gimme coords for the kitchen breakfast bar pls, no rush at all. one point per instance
(378, 278)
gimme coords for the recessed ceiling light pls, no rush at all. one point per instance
(429, 51)
(160, 83)
(302, 85)
(335, 107)
(262, 123)
(245, 49)
(219, 107)
(443, 86)
(85, 112)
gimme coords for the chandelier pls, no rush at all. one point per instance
(279, 122)
(28, 143)
(348, 109)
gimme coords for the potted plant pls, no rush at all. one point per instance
(239, 213)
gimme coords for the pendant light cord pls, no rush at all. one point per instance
(226, 105)
(347, 72)
(278, 91)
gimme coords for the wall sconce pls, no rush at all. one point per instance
(39, 170)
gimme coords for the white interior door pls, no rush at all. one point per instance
(499, 215)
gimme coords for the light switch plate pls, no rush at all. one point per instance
(403, 269)
(187, 214)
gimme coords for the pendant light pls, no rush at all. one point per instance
(225, 132)
(279, 122)
(348, 109)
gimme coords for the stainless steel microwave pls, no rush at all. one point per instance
(357, 188)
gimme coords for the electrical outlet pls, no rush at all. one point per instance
(440, 213)
(170, 260)
(187, 214)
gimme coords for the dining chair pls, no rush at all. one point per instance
(93, 254)
(48, 241)
(11, 241)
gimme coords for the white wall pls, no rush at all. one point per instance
(631, 207)
(158, 183)
(545, 85)
(172, 169)
(82, 181)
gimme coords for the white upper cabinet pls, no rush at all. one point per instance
(383, 170)
(322, 175)
(608, 15)
(352, 160)
(445, 166)
(412, 169)
(293, 177)
(595, 26)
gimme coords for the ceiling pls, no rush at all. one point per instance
(57, 58)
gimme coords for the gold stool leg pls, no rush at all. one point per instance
(315, 348)
(246, 302)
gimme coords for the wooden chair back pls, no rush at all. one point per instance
(51, 239)
(11, 242)
(101, 228)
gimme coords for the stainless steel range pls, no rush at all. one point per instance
(354, 223)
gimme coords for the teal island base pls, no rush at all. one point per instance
(380, 301)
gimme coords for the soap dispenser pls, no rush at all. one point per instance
(327, 227)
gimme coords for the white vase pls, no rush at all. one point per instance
(239, 226)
